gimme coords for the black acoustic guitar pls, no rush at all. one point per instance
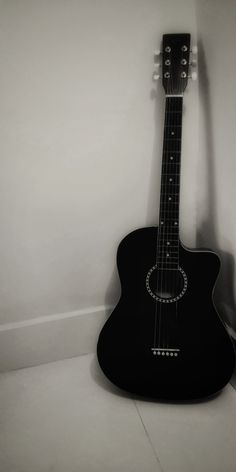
(165, 338)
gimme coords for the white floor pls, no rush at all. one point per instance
(65, 417)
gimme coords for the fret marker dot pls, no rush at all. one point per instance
(167, 255)
(169, 198)
(171, 158)
(168, 243)
(176, 223)
(162, 222)
(170, 180)
(172, 132)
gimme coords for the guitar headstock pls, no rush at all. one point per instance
(175, 63)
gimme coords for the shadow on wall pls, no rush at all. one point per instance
(207, 232)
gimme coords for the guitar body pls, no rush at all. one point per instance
(165, 338)
(175, 347)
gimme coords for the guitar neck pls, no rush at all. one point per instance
(168, 240)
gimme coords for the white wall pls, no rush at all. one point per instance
(216, 194)
(80, 146)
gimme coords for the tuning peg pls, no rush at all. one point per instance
(157, 54)
(155, 76)
(194, 76)
(194, 49)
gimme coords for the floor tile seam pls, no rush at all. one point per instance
(148, 437)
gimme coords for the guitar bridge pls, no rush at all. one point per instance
(168, 352)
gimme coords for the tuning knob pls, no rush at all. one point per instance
(155, 76)
(194, 76)
(194, 49)
(157, 58)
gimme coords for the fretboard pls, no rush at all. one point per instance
(168, 240)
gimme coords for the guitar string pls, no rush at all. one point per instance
(169, 209)
(180, 149)
(167, 215)
(172, 275)
(179, 176)
(162, 233)
(179, 121)
(157, 325)
(177, 117)
(169, 279)
(170, 191)
(175, 124)
(164, 217)
(166, 274)
(163, 279)
(164, 229)
(159, 232)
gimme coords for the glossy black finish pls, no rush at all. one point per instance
(206, 358)
(175, 62)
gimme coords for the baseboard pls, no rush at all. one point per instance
(50, 338)
(55, 337)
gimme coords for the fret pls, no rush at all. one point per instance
(166, 173)
(171, 162)
(166, 151)
(167, 169)
(168, 204)
(173, 165)
(164, 267)
(164, 256)
(171, 234)
(172, 194)
(170, 188)
(168, 263)
(163, 248)
(168, 258)
(171, 224)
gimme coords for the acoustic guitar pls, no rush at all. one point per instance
(165, 338)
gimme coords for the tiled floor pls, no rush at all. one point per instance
(65, 417)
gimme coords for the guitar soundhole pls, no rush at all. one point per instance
(166, 286)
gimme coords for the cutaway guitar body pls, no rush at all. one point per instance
(165, 339)
(174, 350)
